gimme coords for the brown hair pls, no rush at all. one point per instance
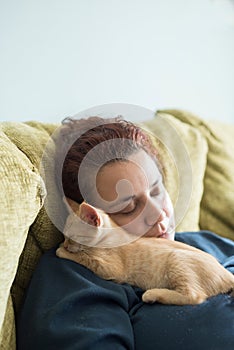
(78, 137)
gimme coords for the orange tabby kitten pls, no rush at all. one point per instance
(169, 272)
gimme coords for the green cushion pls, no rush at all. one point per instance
(7, 332)
(183, 153)
(32, 138)
(217, 205)
(26, 229)
(22, 195)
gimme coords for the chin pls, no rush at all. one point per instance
(171, 235)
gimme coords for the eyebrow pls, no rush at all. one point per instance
(126, 199)
(122, 200)
(156, 182)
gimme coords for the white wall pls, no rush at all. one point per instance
(58, 57)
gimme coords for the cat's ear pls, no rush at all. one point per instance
(89, 214)
(71, 205)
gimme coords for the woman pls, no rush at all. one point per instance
(113, 165)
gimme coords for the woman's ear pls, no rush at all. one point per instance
(72, 206)
(89, 214)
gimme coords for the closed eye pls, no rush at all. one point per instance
(129, 212)
(157, 190)
(131, 207)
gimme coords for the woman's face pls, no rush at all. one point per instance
(132, 193)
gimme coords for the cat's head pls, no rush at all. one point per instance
(89, 214)
(89, 222)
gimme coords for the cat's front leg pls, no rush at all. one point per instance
(167, 296)
(63, 253)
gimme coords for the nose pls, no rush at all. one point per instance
(154, 212)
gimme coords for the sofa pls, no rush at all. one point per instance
(197, 158)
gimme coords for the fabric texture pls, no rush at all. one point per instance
(217, 209)
(7, 332)
(36, 142)
(24, 222)
(22, 195)
(68, 307)
(183, 154)
(32, 139)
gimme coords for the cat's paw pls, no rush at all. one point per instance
(61, 252)
(167, 296)
(149, 297)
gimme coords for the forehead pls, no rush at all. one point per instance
(129, 177)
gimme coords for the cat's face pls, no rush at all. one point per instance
(90, 226)
(88, 214)
(135, 197)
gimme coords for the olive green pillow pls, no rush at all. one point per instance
(32, 139)
(182, 151)
(217, 205)
(22, 195)
(7, 331)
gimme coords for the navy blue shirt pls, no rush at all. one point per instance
(68, 307)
